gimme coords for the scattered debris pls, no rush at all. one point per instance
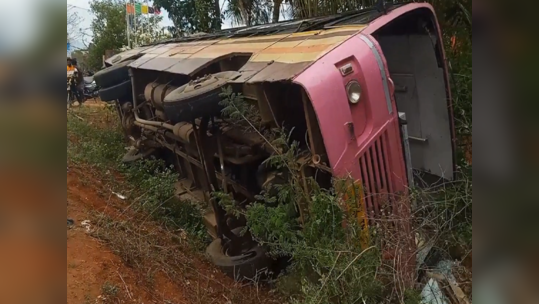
(182, 234)
(122, 197)
(446, 269)
(100, 299)
(443, 275)
(432, 294)
(75, 115)
(459, 294)
(86, 225)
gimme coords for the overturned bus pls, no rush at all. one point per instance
(366, 94)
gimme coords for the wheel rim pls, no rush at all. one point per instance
(243, 254)
(246, 250)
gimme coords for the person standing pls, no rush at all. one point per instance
(70, 74)
(75, 72)
(70, 66)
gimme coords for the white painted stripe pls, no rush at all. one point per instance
(382, 71)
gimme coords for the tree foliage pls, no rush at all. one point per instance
(110, 30)
(249, 12)
(192, 16)
(149, 31)
(313, 8)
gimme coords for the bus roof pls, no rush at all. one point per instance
(276, 52)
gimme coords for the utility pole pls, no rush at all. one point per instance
(127, 26)
(135, 23)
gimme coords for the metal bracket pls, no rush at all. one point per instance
(407, 152)
(346, 69)
(401, 89)
(417, 139)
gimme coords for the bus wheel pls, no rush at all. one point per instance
(250, 263)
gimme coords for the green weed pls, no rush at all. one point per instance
(150, 182)
(109, 290)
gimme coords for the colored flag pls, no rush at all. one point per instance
(138, 8)
(144, 9)
(130, 9)
(157, 11)
(151, 10)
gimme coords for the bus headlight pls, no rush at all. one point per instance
(353, 90)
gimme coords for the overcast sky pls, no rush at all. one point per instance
(20, 27)
(82, 8)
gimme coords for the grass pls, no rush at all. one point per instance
(149, 183)
(110, 291)
(88, 299)
(156, 251)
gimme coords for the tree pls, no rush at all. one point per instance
(73, 26)
(249, 12)
(300, 9)
(109, 29)
(276, 10)
(148, 30)
(192, 16)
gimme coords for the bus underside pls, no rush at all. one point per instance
(186, 122)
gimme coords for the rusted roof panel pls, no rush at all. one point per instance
(254, 72)
(149, 55)
(126, 55)
(189, 66)
(273, 57)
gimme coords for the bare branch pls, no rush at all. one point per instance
(73, 23)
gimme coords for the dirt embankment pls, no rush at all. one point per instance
(94, 272)
(100, 273)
